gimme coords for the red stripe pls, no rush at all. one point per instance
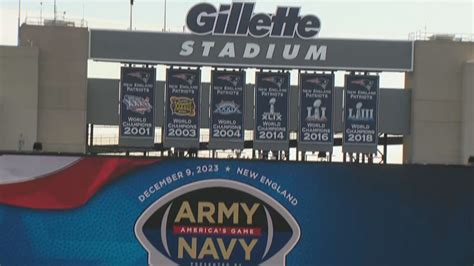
(70, 187)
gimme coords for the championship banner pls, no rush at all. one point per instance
(137, 111)
(227, 105)
(132, 211)
(361, 114)
(316, 131)
(183, 101)
(271, 110)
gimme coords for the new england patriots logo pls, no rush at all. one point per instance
(277, 80)
(233, 79)
(143, 76)
(188, 78)
(366, 83)
(319, 81)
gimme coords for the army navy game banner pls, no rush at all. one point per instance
(183, 101)
(124, 211)
(361, 114)
(271, 110)
(316, 131)
(137, 111)
(227, 109)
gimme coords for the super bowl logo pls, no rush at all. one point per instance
(182, 106)
(272, 115)
(137, 104)
(360, 114)
(217, 223)
(316, 112)
(227, 108)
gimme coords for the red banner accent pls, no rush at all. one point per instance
(217, 230)
(70, 187)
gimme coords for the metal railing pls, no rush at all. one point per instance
(431, 36)
(105, 140)
(80, 23)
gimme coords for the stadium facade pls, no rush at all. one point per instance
(57, 102)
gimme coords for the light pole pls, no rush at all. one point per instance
(19, 14)
(54, 10)
(164, 18)
(131, 7)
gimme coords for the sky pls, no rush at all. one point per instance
(351, 19)
(382, 19)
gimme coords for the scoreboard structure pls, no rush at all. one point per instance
(231, 39)
(436, 98)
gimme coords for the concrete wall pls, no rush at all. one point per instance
(18, 97)
(62, 98)
(468, 111)
(436, 119)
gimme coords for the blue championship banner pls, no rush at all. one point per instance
(137, 111)
(227, 110)
(361, 114)
(316, 131)
(271, 110)
(183, 101)
(200, 212)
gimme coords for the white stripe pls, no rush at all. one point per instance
(21, 168)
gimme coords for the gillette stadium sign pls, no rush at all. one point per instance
(235, 35)
(240, 19)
